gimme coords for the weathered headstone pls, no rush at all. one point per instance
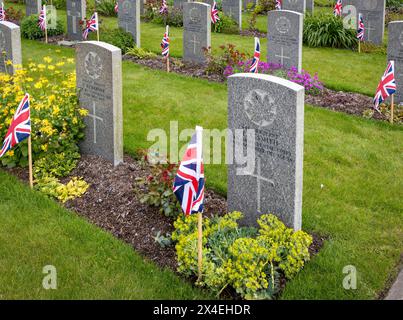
(294, 5)
(75, 13)
(395, 53)
(373, 12)
(129, 18)
(310, 6)
(32, 7)
(196, 31)
(99, 82)
(284, 38)
(178, 4)
(233, 9)
(273, 108)
(10, 46)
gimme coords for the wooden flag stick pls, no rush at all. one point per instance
(168, 67)
(200, 244)
(31, 180)
(359, 46)
(46, 34)
(392, 107)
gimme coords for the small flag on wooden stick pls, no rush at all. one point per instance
(2, 12)
(42, 22)
(189, 186)
(387, 87)
(19, 130)
(165, 46)
(91, 25)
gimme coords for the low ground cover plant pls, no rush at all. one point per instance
(251, 261)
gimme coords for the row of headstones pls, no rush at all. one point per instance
(128, 16)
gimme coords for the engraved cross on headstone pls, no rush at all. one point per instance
(259, 180)
(74, 15)
(95, 118)
(194, 43)
(282, 56)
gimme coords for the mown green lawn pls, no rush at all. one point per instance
(90, 263)
(339, 69)
(358, 161)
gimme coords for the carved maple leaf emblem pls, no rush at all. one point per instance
(260, 108)
(93, 65)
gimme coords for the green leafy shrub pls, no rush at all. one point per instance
(216, 64)
(56, 164)
(264, 6)
(117, 37)
(394, 5)
(30, 29)
(327, 30)
(13, 15)
(106, 8)
(249, 260)
(173, 18)
(141, 53)
(225, 25)
(158, 187)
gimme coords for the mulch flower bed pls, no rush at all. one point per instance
(112, 204)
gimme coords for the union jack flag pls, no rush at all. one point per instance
(91, 25)
(387, 86)
(189, 180)
(214, 13)
(165, 43)
(2, 12)
(20, 127)
(164, 7)
(338, 8)
(116, 8)
(256, 57)
(361, 28)
(42, 19)
(278, 4)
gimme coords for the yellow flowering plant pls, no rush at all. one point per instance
(56, 124)
(251, 261)
(56, 119)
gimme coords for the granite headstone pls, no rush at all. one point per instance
(395, 53)
(310, 6)
(233, 9)
(373, 12)
(32, 7)
(273, 109)
(99, 83)
(75, 13)
(294, 5)
(10, 46)
(129, 18)
(284, 38)
(196, 31)
(178, 4)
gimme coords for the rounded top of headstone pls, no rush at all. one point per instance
(280, 81)
(9, 24)
(100, 44)
(195, 2)
(271, 12)
(396, 22)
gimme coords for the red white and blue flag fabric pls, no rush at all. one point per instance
(116, 8)
(189, 180)
(387, 85)
(91, 25)
(42, 19)
(256, 57)
(20, 127)
(214, 13)
(361, 28)
(165, 43)
(2, 12)
(338, 7)
(278, 4)
(164, 7)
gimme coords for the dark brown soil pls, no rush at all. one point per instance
(177, 66)
(111, 203)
